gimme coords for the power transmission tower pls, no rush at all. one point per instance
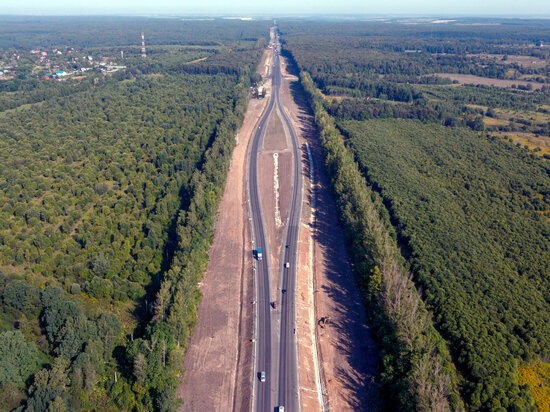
(143, 54)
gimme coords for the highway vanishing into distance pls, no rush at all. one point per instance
(276, 351)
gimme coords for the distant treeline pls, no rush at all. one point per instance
(473, 35)
(78, 31)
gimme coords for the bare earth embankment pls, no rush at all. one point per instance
(345, 349)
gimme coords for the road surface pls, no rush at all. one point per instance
(276, 352)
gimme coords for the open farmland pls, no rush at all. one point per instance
(526, 61)
(486, 81)
(538, 144)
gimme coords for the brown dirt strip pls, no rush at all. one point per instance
(347, 352)
(285, 182)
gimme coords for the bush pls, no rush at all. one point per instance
(101, 188)
(99, 288)
(100, 265)
(75, 289)
(22, 297)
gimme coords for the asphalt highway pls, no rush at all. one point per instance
(263, 338)
(281, 385)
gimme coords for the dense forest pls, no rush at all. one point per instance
(416, 372)
(467, 210)
(472, 214)
(108, 189)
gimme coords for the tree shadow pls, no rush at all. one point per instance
(347, 330)
(143, 312)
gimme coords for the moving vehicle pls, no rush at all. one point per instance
(259, 253)
(262, 376)
(274, 304)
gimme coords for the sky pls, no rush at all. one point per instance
(535, 8)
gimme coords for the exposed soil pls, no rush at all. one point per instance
(471, 79)
(218, 362)
(275, 142)
(346, 352)
(275, 138)
(285, 182)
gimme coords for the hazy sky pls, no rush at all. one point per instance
(236, 7)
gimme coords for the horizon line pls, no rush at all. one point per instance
(348, 15)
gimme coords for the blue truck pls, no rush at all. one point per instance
(259, 253)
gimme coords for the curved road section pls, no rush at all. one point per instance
(276, 353)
